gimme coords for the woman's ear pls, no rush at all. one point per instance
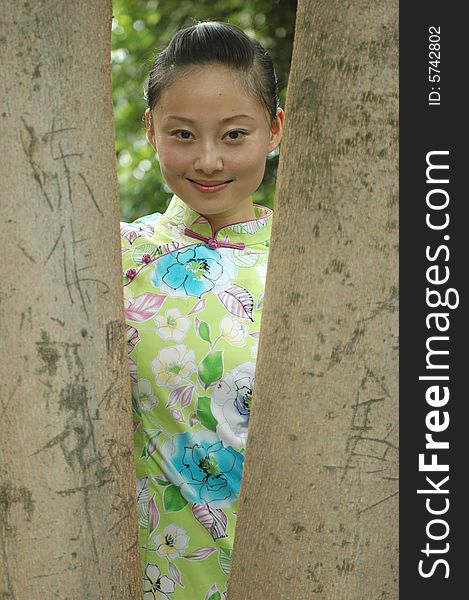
(150, 127)
(276, 130)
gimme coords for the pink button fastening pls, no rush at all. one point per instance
(212, 242)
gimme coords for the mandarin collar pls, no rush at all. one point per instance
(252, 231)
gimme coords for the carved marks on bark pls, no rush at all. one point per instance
(10, 496)
(371, 448)
(78, 286)
(94, 461)
(5, 403)
(115, 332)
(50, 352)
(56, 182)
(77, 440)
(116, 353)
(55, 163)
(368, 460)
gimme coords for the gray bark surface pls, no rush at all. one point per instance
(67, 514)
(318, 512)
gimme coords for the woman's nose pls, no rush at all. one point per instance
(208, 159)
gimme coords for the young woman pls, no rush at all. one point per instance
(194, 280)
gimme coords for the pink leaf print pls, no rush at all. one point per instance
(133, 369)
(144, 307)
(182, 394)
(129, 233)
(177, 415)
(198, 306)
(153, 514)
(175, 574)
(238, 301)
(133, 337)
(186, 395)
(211, 591)
(213, 519)
(197, 324)
(200, 553)
(255, 334)
(132, 232)
(173, 398)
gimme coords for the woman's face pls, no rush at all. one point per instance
(212, 139)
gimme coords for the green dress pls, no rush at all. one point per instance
(193, 303)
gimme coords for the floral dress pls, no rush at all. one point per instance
(193, 303)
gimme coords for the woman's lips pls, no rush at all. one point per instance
(216, 186)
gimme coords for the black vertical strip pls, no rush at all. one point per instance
(433, 261)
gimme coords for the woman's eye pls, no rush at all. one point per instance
(182, 134)
(236, 134)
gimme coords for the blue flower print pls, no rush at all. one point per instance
(194, 270)
(204, 469)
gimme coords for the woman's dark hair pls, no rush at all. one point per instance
(221, 43)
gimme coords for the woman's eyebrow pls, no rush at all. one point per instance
(178, 118)
(225, 120)
(237, 117)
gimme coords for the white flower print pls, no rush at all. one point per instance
(171, 543)
(231, 405)
(229, 271)
(172, 326)
(173, 365)
(145, 394)
(156, 586)
(233, 330)
(262, 272)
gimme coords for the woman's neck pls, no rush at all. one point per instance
(220, 220)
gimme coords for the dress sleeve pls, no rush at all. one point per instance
(132, 234)
(129, 233)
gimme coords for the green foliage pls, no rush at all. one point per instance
(204, 331)
(204, 412)
(173, 499)
(211, 368)
(142, 28)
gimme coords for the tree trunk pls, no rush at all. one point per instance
(67, 514)
(318, 510)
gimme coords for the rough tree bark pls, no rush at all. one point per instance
(318, 510)
(67, 515)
